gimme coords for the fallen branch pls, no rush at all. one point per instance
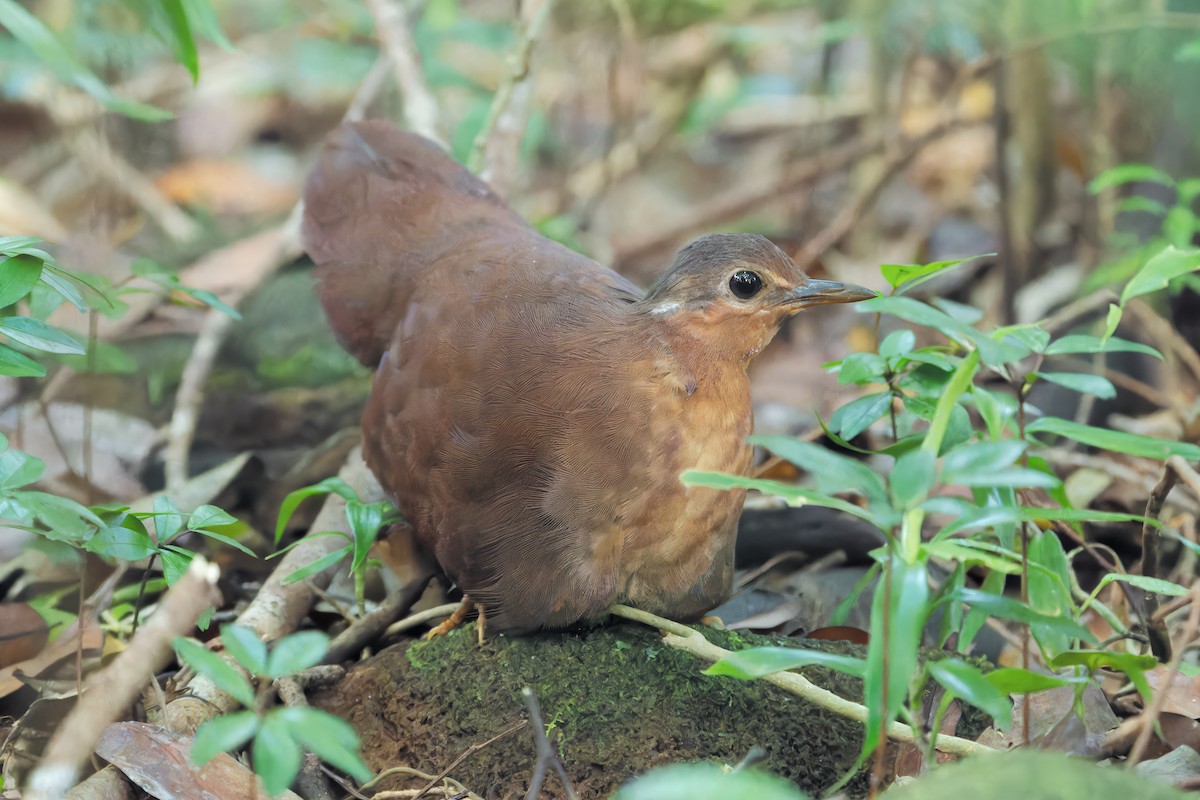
(109, 692)
(692, 641)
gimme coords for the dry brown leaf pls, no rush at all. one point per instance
(23, 633)
(1183, 692)
(62, 649)
(227, 186)
(158, 761)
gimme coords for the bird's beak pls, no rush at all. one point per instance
(818, 293)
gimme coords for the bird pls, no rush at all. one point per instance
(531, 410)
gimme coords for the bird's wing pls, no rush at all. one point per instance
(385, 212)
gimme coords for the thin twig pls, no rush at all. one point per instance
(470, 751)
(494, 152)
(369, 627)
(1188, 476)
(692, 641)
(421, 617)
(546, 757)
(421, 112)
(93, 151)
(852, 212)
(1156, 629)
(367, 90)
(733, 204)
(109, 692)
(1150, 715)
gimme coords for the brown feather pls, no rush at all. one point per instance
(531, 411)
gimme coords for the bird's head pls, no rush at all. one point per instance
(732, 291)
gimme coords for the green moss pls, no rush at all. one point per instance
(617, 700)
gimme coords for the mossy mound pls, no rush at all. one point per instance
(616, 700)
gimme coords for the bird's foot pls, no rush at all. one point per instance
(713, 622)
(454, 620)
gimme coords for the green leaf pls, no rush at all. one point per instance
(330, 738)
(858, 368)
(1081, 343)
(707, 781)
(897, 274)
(297, 652)
(1144, 582)
(37, 334)
(1128, 173)
(1014, 680)
(15, 364)
(62, 282)
(962, 551)
(294, 499)
(38, 38)
(168, 519)
(969, 683)
(206, 516)
(126, 540)
(19, 469)
(898, 343)
(898, 613)
(1117, 441)
(216, 669)
(758, 662)
(276, 756)
(319, 565)
(1112, 321)
(1141, 203)
(365, 520)
(1007, 608)
(1081, 383)
(175, 562)
(990, 465)
(66, 519)
(182, 40)
(222, 734)
(912, 477)
(244, 645)
(204, 21)
(832, 471)
(795, 495)
(856, 416)
(980, 459)
(992, 352)
(212, 301)
(1163, 267)
(228, 541)
(18, 275)
(1133, 665)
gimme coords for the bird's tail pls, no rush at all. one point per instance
(380, 209)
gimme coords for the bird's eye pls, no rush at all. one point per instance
(745, 284)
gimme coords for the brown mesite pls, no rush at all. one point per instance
(532, 410)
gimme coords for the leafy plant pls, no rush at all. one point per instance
(364, 520)
(177, 22)
(32, 281)
(278, 736)
(968, 456)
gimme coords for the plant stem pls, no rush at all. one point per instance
(910, 528)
